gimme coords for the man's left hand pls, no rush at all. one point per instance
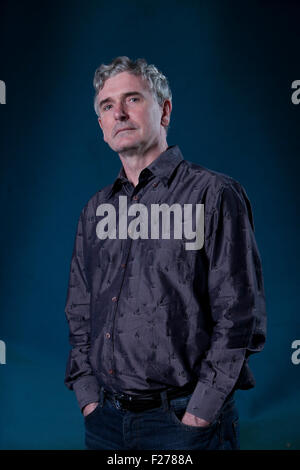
(193, 420)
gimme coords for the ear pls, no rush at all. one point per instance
(100, 123)
(166, 113)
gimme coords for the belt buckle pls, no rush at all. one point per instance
(124, 397)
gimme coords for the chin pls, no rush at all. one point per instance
(126, 147)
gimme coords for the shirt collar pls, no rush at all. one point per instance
(162, 167)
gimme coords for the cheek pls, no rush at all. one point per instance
(106, 129)
(151, 122)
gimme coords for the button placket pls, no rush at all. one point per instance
(127, 249)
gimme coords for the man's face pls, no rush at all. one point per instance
(130, 117)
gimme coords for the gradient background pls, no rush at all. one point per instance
(230, 66)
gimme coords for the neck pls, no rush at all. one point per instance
(135, 161)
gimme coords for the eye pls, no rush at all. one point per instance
(135, 98)
(107, 107)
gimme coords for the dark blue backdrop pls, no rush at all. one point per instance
(230, 66)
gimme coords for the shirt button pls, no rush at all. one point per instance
(110, 371)
(123, 265)
(135, 197)
(154, 185)
(114, 299)
(107, 335)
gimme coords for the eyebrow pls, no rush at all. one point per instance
(124, 95)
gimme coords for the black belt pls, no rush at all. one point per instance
(146, 402)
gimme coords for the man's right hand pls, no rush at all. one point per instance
(89, 408)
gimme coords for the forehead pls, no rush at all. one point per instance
(123, 82)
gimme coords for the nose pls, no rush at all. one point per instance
(120, 112)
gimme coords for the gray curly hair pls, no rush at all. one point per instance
(158, 83)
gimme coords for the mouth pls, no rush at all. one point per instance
(126, 129)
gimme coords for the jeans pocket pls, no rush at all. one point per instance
(177, 411)
(92, 413)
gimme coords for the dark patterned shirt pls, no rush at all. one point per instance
(145, 312)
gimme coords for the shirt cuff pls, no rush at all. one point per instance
(87, 390)
(206, 402)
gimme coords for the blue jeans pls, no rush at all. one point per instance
(109, 427)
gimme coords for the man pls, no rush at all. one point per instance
(161, 327)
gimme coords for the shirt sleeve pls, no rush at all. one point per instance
(237, 301)
(79, 375)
